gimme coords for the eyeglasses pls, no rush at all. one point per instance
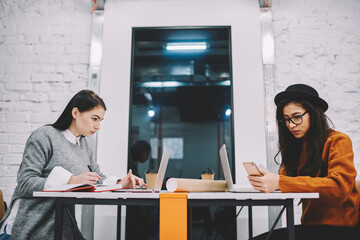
(297, 120)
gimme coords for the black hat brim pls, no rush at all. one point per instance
(297, 95)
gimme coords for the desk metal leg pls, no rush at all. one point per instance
(61, 202)
(118, 228)
(250, 222)
(290, 219)
(59, 213)
(276, 221)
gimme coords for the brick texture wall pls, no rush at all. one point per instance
(318, 43)
(44, 60)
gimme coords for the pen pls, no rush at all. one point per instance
(90, 168)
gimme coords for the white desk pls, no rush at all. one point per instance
(251, 195)
(93, 198)
(253, 199)
(194, 199)
(99, 195)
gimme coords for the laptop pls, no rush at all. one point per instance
(162, 169)
(227, 174)
(159, 179)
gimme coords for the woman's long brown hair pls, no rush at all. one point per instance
(315, 138)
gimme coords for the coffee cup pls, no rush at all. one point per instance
(151, 176)
(207, 174)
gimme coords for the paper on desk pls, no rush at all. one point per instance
(107, 188)
(111, 180)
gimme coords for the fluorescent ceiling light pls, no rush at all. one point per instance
(163, 84)
(186, 46)
(158, 84)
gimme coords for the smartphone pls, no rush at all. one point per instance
(252, 169)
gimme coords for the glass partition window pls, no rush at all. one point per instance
(181, 98)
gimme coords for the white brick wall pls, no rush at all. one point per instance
(44, 60)
(318, 43)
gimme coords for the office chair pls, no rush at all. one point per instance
(2, 205)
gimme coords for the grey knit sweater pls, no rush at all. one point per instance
(45, 149)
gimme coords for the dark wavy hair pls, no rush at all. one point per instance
(291, 147)
(84, 100)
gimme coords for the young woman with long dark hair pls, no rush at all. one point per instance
(314, 158)
(54, 155)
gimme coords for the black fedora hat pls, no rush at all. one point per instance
(302, 91)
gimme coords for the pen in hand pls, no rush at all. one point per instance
(99, 178)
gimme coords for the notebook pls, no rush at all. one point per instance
(227, 174)
(82, 188)
(71, 188)
(160, 177)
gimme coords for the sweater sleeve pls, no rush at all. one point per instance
(338, 184)
(36, 155)
(58, 176)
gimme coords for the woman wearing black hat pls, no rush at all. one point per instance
(315, 158)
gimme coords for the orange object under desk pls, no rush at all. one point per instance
(173, 216)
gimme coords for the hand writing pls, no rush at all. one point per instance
(86, 177)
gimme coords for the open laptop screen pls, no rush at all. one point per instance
(162, 169)
(226, 167)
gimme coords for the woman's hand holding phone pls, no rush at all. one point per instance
(252, 169)
(264, 181)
